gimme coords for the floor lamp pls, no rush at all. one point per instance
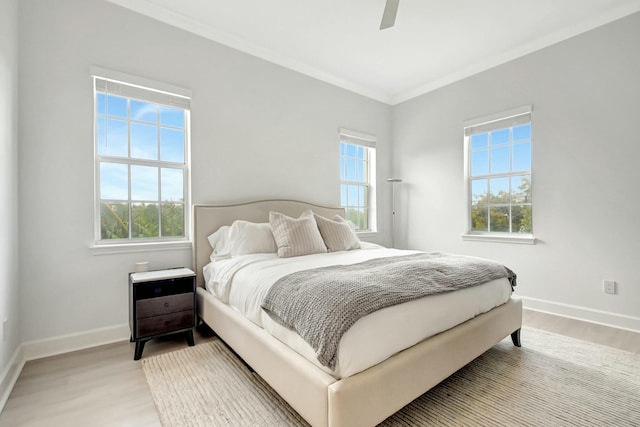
(393, 182)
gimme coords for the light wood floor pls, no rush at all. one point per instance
(103, 386)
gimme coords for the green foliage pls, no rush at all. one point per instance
(145, 220)
(172, 219)
(114, 220)
(359, 218)
(491, 212)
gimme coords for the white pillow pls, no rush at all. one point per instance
(337, 234)
(219, 242)
(296, 237)
(251, 238)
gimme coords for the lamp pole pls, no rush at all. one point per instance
(393, 182)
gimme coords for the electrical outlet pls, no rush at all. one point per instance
(609, 286)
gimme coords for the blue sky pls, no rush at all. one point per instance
(498, 152)
(155, 131)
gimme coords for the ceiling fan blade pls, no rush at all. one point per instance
(389, 15)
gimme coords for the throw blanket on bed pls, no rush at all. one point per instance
(321, 304)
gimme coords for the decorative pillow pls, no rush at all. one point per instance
(337, 234)
(296, 237)
(251, 238)
(219, 242)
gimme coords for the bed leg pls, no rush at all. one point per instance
(515, 337)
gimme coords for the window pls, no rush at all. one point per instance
(357, 178)
(498, 156)
(141, 163)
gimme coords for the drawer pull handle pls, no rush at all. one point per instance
(166, 305)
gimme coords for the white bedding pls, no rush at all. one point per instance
(243, 281)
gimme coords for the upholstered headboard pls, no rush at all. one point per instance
(208, 218)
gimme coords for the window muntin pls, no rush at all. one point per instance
(499, 175)
(357, 174)
(141, 152)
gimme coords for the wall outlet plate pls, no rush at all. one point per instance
(609, 286)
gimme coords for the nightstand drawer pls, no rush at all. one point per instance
(164, 305)
(161, 288)
(163, 324)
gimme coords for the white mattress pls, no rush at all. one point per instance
(242, 282)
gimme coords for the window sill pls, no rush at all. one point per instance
(125, 248)
(367, 234)
(526, 239)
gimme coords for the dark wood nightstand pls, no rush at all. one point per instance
(161, 302)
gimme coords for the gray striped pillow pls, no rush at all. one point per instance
(337, 234)
(296, 237)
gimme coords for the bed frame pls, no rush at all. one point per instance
(364, 399)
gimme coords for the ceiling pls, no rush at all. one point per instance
(434, 42)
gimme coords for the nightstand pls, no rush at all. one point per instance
(161, 302)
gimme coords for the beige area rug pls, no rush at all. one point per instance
(551, 381)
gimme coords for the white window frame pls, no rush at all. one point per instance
(138, 88)
(501, 120)
(367, 141)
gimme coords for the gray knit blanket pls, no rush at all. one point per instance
(321, 304)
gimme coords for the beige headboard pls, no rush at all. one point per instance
(208, 218)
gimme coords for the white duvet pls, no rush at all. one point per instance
(243, 281)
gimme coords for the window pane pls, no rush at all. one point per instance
(362, 196)
(172, 219)
(479, 191)
(351, 150)
(352, 195)
(351, 170)
(114, 220)
(480, 140)
(144, 111)
(114, 180)
(359, 171)
(500, 159)
(499, 219)
(360, 152)
(116, 138)
(343, 149)
(343, 172)
(116, 106)
(101, 103)
(144, 183)
(171, 145)
(144, 141)
(145, 219)
(522, 132)
(364, 225)
(479, 162)
(499, 190)
(172, 117)
(500, 137)
(343, 195)
(521, 219)
(172, 185)
(521, 189)
(479, 217)
(101, 133)
(522, 156)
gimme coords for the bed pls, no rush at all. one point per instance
(363, 397)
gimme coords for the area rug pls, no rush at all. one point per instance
(551, 380)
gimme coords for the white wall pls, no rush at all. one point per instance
(258, 131)
(586, 107)
(9, 286)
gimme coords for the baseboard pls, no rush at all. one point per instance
(606, 318)
(10, 375)
(72, 342)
